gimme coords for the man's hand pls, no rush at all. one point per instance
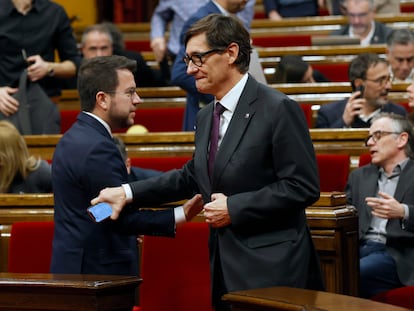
(216, 212)
(39, 69)
(193, 206)
(115, 197)
(159, 47)
(386, 206)
(353, 108)
(8, 104)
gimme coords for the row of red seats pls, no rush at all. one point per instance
(327, 163)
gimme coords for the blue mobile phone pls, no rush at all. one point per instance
(100, 211)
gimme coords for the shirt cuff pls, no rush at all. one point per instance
(179, 215)
(128, 193)
(406, 211)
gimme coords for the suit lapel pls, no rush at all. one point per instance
(238, 125)
(405, 181)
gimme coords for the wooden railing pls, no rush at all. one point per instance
(333, 226)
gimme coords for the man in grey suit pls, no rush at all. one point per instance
(383, 193)
(263, 178)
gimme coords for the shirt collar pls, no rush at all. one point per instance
(221, 9)
(396, 170)
(367, 40)
(230, 100)
(369, 117)
(100, 121)
(8, 6)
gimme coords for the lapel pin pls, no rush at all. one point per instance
(247, 115)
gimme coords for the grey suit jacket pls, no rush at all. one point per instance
(266, 166)
(363, 183)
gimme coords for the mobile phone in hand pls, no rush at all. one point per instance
(100, 211)
(361, 90)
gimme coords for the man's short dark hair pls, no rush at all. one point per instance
(359, 65)
(100, 74)
(222, 30)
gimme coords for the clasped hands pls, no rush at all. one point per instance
(215, 212)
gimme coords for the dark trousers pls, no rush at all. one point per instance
(378, 272)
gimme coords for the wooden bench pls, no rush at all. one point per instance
(333, 226)
(137, 35)
(178, 144)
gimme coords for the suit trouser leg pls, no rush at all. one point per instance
(219, 287)
(378, 272)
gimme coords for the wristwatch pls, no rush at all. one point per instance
(51, 71)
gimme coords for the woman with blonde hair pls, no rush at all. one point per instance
(20, 172)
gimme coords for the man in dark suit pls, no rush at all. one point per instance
(383, 194)
(361, 23)
(86, 159)
(371, 82)
(263, 178)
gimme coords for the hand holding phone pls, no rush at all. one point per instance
(361, 90)
(100, 211)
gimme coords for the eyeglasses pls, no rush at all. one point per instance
(129, 93)
(382, 80)
(377, 135)
(197, 58)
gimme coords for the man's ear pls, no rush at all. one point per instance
(102, 100)
(403, 140)
(233, 52)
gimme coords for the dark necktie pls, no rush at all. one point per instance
(214, 136)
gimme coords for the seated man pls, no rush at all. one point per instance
(361, 23)
(371, 82)
(98, 40)
(383, 195)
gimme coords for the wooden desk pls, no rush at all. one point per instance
(294, 299)
(67, 292)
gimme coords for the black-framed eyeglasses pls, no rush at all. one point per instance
(377, 135)
(129, 92)
(382, 80)
(197, 58)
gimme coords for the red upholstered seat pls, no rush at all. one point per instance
(176, 272)
(161, 119)
(364, 159)
(402, 297)
(138, 45)
(335, 72)
(67, 118)
(307, 111)
(333, 171)
(30, 247)
(160, 163)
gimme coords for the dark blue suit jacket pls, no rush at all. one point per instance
(85, 161)
(330, 115)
